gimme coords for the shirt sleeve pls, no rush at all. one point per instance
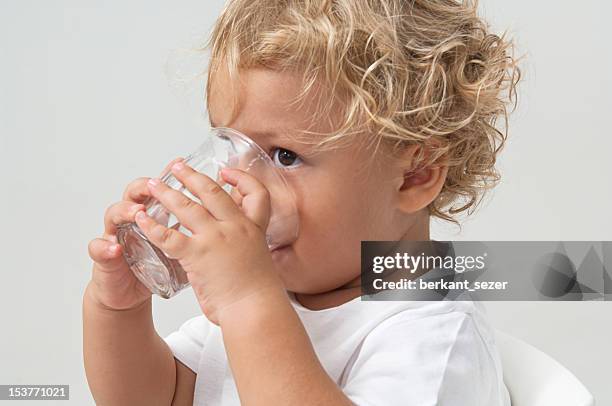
(188, 341)
(437, 360)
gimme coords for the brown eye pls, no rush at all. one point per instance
(285, 158)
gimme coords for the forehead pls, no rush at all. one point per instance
(265, 101)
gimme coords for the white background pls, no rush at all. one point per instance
(86, 106)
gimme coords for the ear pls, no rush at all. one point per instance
(419, 186)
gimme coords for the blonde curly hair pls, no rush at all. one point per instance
(424, 72)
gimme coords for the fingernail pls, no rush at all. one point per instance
(153, 182)
(140, 215)
(227, 172)
(179, 166)
(135, 208)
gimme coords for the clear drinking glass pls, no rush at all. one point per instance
(223, 147)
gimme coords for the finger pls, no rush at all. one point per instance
(105, 253)
(255, 197)
(119, 213)
(188, 212)
(236, 196)
(172, 242)
(213, 197)
(137, 191)
(167, 168)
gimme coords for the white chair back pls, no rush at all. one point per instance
(533, 378)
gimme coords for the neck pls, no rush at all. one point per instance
(418, 231)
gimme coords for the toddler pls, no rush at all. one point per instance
(381, 116)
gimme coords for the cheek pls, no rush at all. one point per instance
(340, 205)
(337, 214)
(334, 219)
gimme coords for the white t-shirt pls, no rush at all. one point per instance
(380, 353)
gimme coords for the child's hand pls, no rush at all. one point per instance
(113, 285)
(226, 258)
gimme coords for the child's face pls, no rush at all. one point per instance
(343, 196)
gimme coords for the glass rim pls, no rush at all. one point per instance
(243, 137)
(261, 153)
